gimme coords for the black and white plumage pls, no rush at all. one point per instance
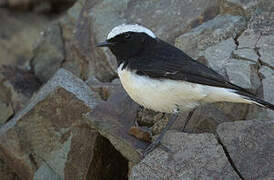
(163, 78)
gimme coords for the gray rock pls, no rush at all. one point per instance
(45, 172)
(246, 54)
(206, 118)
(220, 28)
(58, 47)
(176, 17)
(49, 54)
(219, 54)
(195, 156)
(238, 71)
(250, 146)
(266, 50)
(262, 21)
(248, 39)
(268, 87)
(239, 7)
(182, 13)
(243, 74)
(75, 60)
(113, 119)
(21, 85)
(18, 34)
(245, 4)
(254, 44)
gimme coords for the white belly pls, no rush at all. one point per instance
(170, 95)
(160, 95)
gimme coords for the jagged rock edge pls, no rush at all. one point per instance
(228, 157)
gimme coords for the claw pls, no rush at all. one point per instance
(152, 146)
(157, 142)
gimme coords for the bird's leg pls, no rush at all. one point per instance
(188, 118)
(155, 143)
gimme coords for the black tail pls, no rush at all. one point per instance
(256, 100)
(262, 103)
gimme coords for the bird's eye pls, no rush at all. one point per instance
(127, 36)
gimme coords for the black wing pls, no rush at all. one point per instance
(165, 61)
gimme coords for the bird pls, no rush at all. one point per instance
(163, 78)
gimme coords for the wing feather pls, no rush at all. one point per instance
(165, 61)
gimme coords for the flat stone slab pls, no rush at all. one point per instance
(195, 156)
(250, 145)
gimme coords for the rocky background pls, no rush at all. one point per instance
(64, 114)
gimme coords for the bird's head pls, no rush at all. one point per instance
(127, 40)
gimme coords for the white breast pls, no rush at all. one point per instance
(169, 95)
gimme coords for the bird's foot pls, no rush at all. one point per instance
(157, 142)
(152, 146)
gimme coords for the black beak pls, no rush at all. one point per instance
(104, 44)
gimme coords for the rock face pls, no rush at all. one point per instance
(194, 156)
(250, 146)
(50, 131)
(5, 105)
(268, 79)
(113, 119)
(239, 7)
(238, 71)
(18, 34)
(49, 53)
(113, 13)
(86, 18)
(220, 28)
(53, 125)
(52, 139)
(40, 6)
(58, 47)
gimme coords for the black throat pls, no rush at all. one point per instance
(132, 62)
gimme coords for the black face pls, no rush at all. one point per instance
(127, 45)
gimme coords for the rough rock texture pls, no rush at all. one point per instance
(49, 53)
(268, 79)
(58, 47)
(210, 33)
(6, 173)
(85, 22)
(40, 6)
(49, 136)
(18, 33)
(265, 47)
(5, 105)
(254, 45)
(239, 7)
(19, 85)
(113, 13)
(6, 112)
(250, 146)
(75, 130)
(194, 156)
(75, 61)
(238, 71)
(113, 119)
